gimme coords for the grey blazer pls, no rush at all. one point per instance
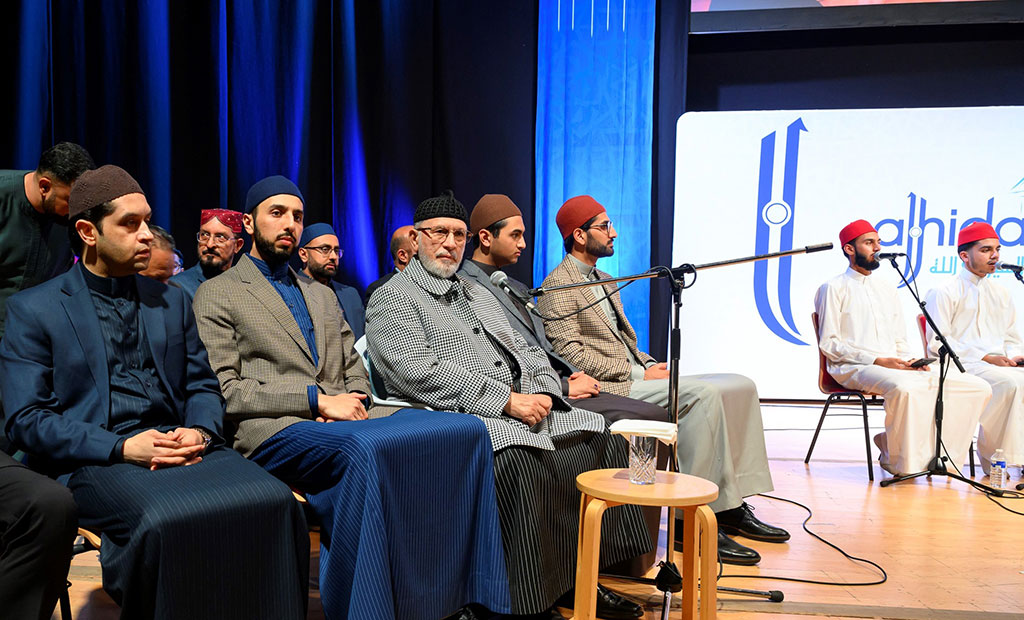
(446, 343)
(261, 358)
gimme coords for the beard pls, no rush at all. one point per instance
(322, 272)
(213, 261)
(267, 250)
(866, 262)
(49, 205)
(600, 250)
(435, 267)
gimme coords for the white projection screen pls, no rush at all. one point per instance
(754, 182)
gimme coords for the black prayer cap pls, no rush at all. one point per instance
(445, 205)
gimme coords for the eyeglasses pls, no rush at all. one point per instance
(439, 234)
(605, 226)
(218, 239)
(327, 250)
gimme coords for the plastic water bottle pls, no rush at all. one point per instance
(997, 473)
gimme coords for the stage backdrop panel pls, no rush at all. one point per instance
(756, 182)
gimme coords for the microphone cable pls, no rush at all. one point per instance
(608, 295)
(848, 556)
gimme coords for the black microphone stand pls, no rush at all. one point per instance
(676, 278)
(937, 465)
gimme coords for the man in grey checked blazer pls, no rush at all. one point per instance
(721, 437)
(441, 340)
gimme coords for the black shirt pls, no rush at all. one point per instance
(138, 400)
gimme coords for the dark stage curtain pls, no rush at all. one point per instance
(671, 38)
(369, 106)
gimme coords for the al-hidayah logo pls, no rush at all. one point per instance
(776, 211)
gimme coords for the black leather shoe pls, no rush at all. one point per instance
(731, 552)
(742, 522)
(610, 606)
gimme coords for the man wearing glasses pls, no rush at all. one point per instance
(320, 254)
(220, 238)
(721, 438)
(444, 341)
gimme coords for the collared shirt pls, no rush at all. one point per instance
(589, 272)
(284, 283)
(33, 247)
(137, 397)
(860, 319)
(977, 316)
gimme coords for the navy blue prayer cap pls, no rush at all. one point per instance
(313, 231)
(270, 186)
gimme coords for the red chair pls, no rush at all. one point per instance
(922, 323)
(839, 394)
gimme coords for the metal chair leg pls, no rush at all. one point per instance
(821, 420)
(867, 437)
(65, 603)
(971, 455)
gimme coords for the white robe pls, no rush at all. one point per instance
(978, 318)
(860, 320)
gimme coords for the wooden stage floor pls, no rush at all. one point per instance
(950, 553)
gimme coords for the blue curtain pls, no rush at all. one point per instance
(594, 127)
(370, 106)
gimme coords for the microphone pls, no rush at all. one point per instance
(1009, 267)
(500, 279)
(887, 255)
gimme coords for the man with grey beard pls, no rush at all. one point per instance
(441, 340)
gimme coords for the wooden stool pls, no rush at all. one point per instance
(603, 488)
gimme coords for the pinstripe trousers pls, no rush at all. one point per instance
(540, 506)
(407, 508)
(218, 539)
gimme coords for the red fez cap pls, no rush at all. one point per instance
(575, 213)
(853, 230)
(976, 231)
(231, 219)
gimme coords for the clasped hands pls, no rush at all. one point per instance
(156, 450)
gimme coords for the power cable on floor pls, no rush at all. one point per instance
(990, 495)
(810, 514)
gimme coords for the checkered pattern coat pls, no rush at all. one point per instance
(588, 339)
(447, 344)
(261, 358)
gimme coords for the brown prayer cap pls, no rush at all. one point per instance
(490, 209)
(95, 187)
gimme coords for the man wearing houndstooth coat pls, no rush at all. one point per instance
(444, 341)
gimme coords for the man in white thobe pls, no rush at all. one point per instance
(863, 334)
(979, 320)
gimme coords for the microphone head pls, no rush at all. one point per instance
(499, 277)
(1001, 266)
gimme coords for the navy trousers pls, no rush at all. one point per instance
(219, 539)
(409, 518)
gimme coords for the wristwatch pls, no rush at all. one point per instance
(206, 437)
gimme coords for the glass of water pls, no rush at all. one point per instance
(642, 459)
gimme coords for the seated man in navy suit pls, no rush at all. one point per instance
(107, 387)
(320, 253)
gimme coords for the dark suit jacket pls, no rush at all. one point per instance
(532, 331)
(54, 377)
